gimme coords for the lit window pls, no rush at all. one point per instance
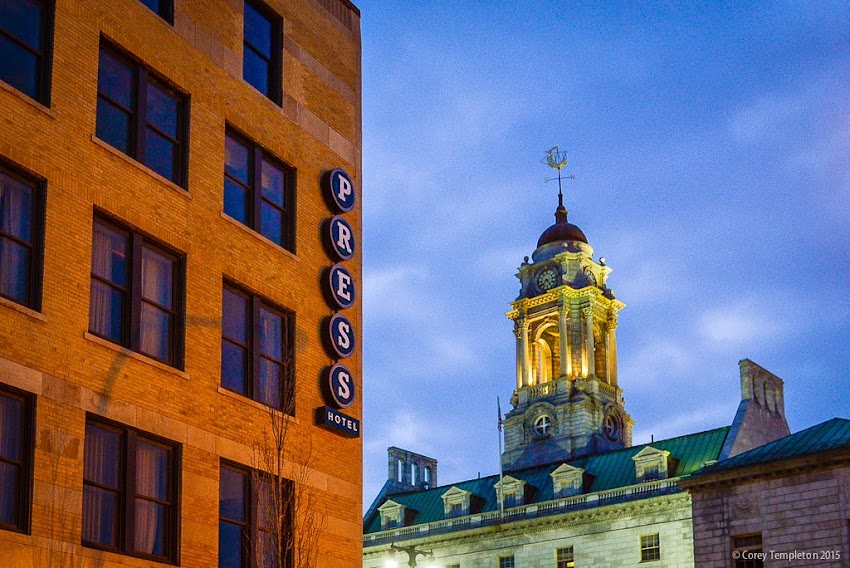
(136, 287)
(140, 115)
(163, 8)
(746, 547)
(129, 492)
(261, 57)
(259, 191)
(253, 513)
(16, 410)
(24, 40)
(256, 349)
(506, 561)
(20, 238)
(650, 548)
(564, 558)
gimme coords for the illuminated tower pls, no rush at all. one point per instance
(567, 402)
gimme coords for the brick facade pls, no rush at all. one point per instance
(50, 353)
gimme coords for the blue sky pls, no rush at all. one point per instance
(711, 148)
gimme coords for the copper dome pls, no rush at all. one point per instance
(561, 230)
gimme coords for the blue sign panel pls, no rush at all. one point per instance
(342, 286)
(334, 420)
(341, 189)
(341, 385)
(341, 334)
(342, 238)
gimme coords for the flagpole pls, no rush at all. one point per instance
(500, 494)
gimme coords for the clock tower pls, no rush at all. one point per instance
(567, 402)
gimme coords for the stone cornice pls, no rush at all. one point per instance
(563, 293)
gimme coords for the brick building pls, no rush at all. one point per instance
(163, 265)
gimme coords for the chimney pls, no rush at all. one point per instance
(408, 471)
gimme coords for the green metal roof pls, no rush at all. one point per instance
(609, 470)
(830, 435)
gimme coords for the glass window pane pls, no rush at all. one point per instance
(235, 201)
(102, 456)
(10, 489)
(163, 108)
(235, 316)
(273, 183)
(155, 332)
(113, 125)
(14, 271)
(161, 155)
(271, 334)
(22, 19)
(100, 516)
(157, 277)
(233, 368)
(106, 311)
(231, 544)
(151, 527)
(271, 218)
(116, 79)
(18, 67)
(255, 70)
(267, 550)
(15, 208)
(269, 383)
(258, 30)
(152, 471)
(232, 494)
(267, 508)
(109, 254)
(11, 427)
(236, 160)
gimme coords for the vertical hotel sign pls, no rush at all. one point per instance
(339, 385)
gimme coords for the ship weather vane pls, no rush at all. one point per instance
(557, 159)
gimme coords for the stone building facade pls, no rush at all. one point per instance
(162, 273)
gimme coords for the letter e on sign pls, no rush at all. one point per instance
(342, 286)
(341, 385)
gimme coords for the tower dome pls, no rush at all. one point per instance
(561, 230)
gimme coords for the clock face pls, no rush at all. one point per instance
(611, 427)
(546, 279)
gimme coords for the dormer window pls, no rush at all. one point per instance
(456, 502)
(567, 481)
(512, 490)
(394, 515)
(652, 464)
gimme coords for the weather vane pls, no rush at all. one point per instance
(557, 159)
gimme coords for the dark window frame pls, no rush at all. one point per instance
(45, 70)
(166, 10)
(250, 527)
(137, 116)
(132, 303)
(276, 48)
(127, 493)
(37, 228)
(650, 551)
(748, 542)
(507, 561)
(25, 490)
(256, 156)
(565, 557)
(287, 381)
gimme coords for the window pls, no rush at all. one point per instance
(651, 473)
(262, 49)
(650, 548)
(506, 561)
(248, 509)
(24, 46)
(744, 549)
(453, 566)
(16, 427)
(129, 492)
(564, 558)
(259, 191)
(140, 115)
(20, 238)
(457, 510)
(136, 292)
(256, 349)
(163, 8)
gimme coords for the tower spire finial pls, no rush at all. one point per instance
(557, 159)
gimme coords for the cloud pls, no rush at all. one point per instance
(687, 422)
(741, 323)
(763, 118)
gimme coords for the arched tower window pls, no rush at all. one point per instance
(400, 470)
(544, 361)
(413, 474)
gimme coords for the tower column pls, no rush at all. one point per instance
(519, 358)
(589, 347)
(523, 340)
(563, 334)
(612, 350)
